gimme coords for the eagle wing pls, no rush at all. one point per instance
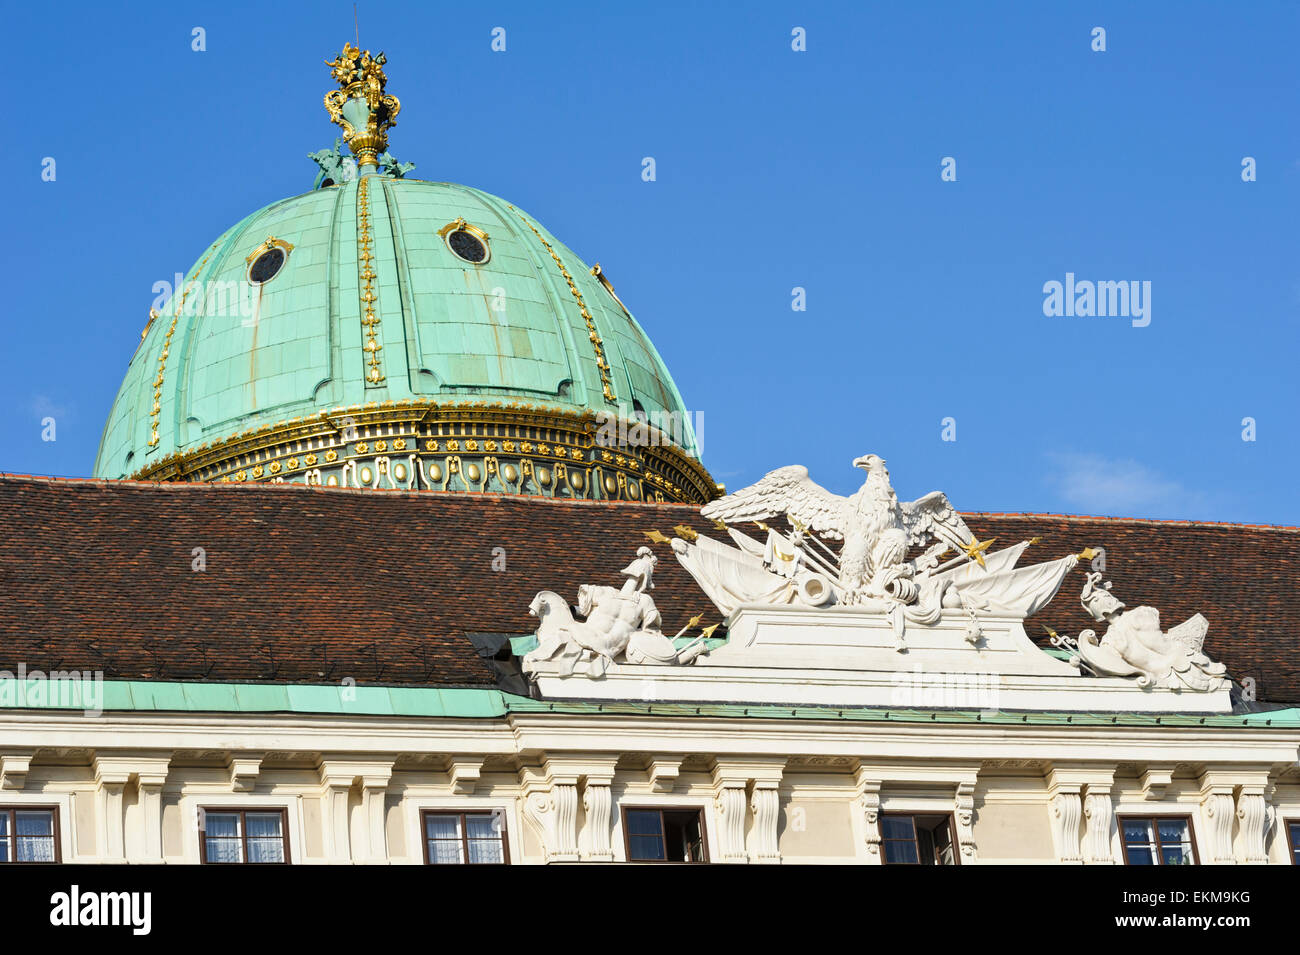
(1190, 634)
(787, 491)
(934, 516)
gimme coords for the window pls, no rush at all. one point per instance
(1293, 840)
(1158, 840)
(254, 836)
(907, 839)
(664, 835)
(467, 242)
(468, 246)
(266, 266)
(29, 835)
(267, 260)
(465, 838)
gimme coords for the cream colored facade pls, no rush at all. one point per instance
(128, 786)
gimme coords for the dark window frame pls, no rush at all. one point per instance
(912, 814)
(242, 812)
(12, 808)
(495, 812)
(1155, 818)
(627, 840)
(1292, 840)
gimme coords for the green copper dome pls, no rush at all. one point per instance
(385, 325)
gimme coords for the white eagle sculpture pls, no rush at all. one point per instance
(861, 519)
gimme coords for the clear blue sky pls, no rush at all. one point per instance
(776, 169)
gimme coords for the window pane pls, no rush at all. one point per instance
(442, 827)
(4, 850)
(1140, 855)
(35, 842)
(483, 826)
(898, 851)
(265, 836)
(645, 848)
(1173, 830)
(641, 822)
(897, 827)
(264, 825)
(445, 852)
(221, 825)
(1138, 830)
(4, 823)
(224, 850)
(35, 823)
(1295, 842)
(486, 852)
(222, 842)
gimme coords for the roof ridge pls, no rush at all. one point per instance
(1128, 520)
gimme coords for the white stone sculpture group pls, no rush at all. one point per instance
(618, 626)
(870, 577)
(1134, 644)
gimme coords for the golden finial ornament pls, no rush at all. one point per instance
(360, 106)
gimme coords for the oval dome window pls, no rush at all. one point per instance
(466, 245)
(266, 266)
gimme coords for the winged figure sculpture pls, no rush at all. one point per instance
(860, 520)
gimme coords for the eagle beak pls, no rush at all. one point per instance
(861, 462)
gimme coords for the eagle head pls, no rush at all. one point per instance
(870, 463)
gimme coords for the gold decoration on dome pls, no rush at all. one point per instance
(360, 106)
(422, 423)
(271, 243)
(156, 410)
(459, 225)
(606, 383)
(365, 257)
(609, 286)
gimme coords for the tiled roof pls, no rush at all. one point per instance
(316, 585)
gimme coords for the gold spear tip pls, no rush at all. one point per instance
(688, 533)
(694, 621)
(720, 525)
(976, 548)
(1088, 553)
(655, 537)
(708, 631)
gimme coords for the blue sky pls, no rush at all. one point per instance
(775, 169)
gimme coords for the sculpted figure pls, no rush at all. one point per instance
(859, 520)
(618, 625)
(1134, 644)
